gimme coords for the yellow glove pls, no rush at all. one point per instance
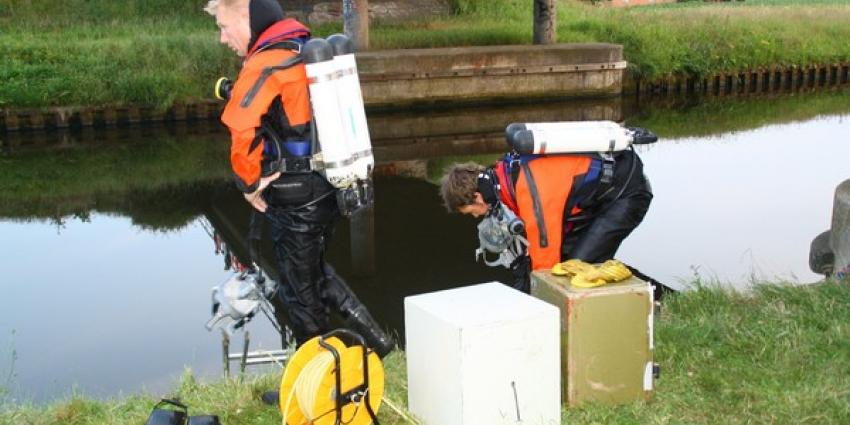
(571, 268)
(614, 271)
(582, 281)
(586, 275)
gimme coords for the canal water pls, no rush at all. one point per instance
(113, 239)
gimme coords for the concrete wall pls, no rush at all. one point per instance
(840, 238)
(393, 79)
(478, 74)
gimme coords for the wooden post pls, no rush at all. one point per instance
(225, 353)
(840, 237)
(544, 21)
(355, 15)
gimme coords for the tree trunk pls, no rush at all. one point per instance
(544, 21)
(356, 22)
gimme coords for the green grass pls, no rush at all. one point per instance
(157, 52)
(235, 401)
(778, 354)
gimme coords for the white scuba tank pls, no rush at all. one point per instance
(568, 137)
(352, 110)
(339, 167)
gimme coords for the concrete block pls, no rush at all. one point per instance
(483, 354)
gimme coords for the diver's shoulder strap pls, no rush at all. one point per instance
(283, 45)
(267, 72)
(488, 187)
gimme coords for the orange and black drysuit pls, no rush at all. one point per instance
(270, 95)
(573, 206)
(269, 118)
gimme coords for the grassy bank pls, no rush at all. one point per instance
(780, 354)
(156, 52)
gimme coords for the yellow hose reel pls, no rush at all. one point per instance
(326, 382)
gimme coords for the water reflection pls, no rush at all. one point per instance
(107, 269)
(104, 305)
(124, 297)
(743, 207)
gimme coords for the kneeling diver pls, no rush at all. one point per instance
(565, 191)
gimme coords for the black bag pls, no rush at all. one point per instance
(204, 420)
(176, 415)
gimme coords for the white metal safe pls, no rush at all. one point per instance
(483, 354)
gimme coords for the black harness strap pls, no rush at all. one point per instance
(579, 192)
(281, 45)
(267, 72)
(601, 191)
(538, 207)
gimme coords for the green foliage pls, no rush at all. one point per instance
(65, 13)
(156, 52)
(97, 53)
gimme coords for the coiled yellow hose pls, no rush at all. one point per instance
(309, 382)
(308, 385)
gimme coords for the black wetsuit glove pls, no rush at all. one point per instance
(521, 271)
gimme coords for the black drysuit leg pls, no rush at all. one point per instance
(599, 240)
(300, 237)
(310, 289)
(339, 295)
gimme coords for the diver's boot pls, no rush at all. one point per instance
(659, 289)
(359, 320)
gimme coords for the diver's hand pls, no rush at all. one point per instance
(255, 198)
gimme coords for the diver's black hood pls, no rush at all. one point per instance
(263, 14)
